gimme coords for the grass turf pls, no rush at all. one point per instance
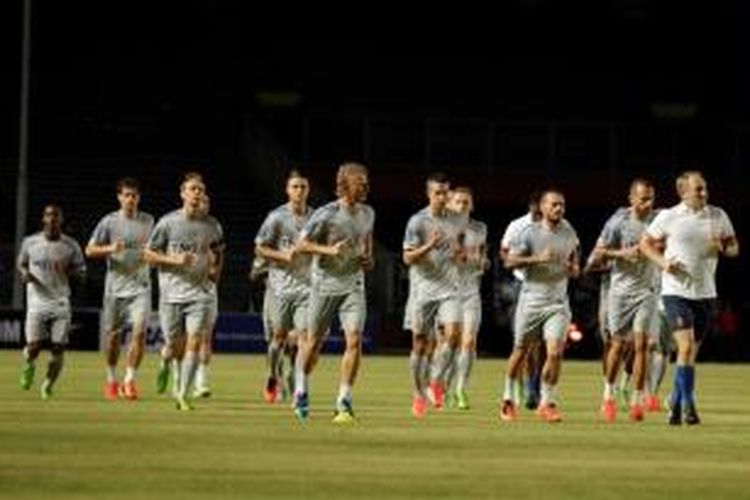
(78, 445)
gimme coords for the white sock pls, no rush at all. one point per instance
(176, 367)
(548, 394)
(189, 366)
(200, 376)
(508, 393)
(111, 373)
(345, 392)
(609, 391)
(465, 362)
(300, 378)
(129, 374)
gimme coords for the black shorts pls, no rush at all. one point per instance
(685, 313)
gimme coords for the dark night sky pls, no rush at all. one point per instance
(193, 68)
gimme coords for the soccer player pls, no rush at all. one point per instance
(431, 249)
(533, 360)
(471, 265)
(632, 301)
(46, 262)
(339, 236)
(183, 245)
(548, 250)
(120, 238)
(288, 285)
(202, 384)
(694, 235)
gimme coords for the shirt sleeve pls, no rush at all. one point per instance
(657, 229)
(159, 237)
(726, 228)
(412, 236)
(101, 234)
(78, 263)
(315, 228)
(610, 236)
(23, 254)
(521, 244)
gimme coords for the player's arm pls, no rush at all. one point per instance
(412, 254)
(77, 267)
(306, 245)
(97, 251)
(366, 259)
(158, 258)
(282, 257)
(730, 247)
(515, 259)
(22, 265)
(216, 261)
(651, 246)
(573, 265)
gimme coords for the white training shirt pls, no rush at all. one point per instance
(688, 235)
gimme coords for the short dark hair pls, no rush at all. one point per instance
(438, 178)
(191, 176)
(128, 183)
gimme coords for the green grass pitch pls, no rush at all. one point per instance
(233, 445)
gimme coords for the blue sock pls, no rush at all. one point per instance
(678, 389)
(536, 382)
(688, 386)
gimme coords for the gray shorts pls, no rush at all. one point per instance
(54, 325)
(120, 311)
(187, 318)
(471, 319)
(426, 314)
(533, 321)
(351, 308)
(628, 314)
(288, 313)
(660, 335)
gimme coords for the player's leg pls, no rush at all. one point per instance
(197, 317)
(140, 313)
(59, 329)
(449, 315)
(113, 312)
(472, 317)
(202, 376)
(320, 314)
(278, 310)
(554, 333)
(33, 331)
(681, 318)
(353, 316)
(172, 327)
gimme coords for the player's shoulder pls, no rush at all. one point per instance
(279, 211)
(170, 217)
(715, 212)
(328, 210)
(417, 217)
(620, 214)
(367, 210)
(566, 226)
(69, 241)
(145, 218)
(478, 226)
(33, 239)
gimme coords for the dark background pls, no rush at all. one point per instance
(585, 98)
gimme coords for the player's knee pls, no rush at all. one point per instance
(57, 350)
